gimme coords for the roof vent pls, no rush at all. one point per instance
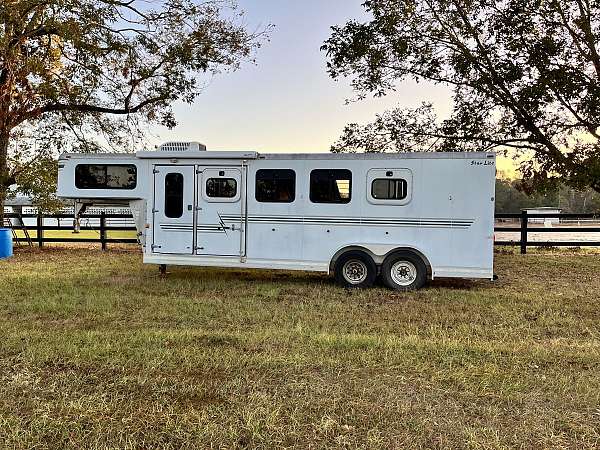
(182, 147)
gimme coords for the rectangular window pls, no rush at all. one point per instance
(105, 176)
(174, 195)
(275, 185)
(221, 187)
(389, 189)
(330, 186)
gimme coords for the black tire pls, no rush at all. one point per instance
(407, 265)
(350, 264)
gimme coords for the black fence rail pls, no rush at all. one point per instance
(524, 220)
(102, 229)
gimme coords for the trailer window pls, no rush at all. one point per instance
(221, 187)
(105, 176)
(275, 185)
(174, 195)
(389, 189)
(330, 186)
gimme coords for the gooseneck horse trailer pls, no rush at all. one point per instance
(406, 217)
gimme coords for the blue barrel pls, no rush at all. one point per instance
(6, 248)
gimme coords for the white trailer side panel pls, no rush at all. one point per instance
(447, 216)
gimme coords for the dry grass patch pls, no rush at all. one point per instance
(98, 351)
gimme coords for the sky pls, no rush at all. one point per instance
(286, 102)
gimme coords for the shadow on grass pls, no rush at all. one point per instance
(247, 275)
(457, 283)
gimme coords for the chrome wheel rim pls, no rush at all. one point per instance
(355, 271)
(403, 273)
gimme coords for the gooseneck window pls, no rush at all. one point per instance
(105, 176)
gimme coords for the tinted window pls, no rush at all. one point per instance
(105, 176)
(330, 186)
(275, 185)
(389, 189)
(174, 195)
(221, 187)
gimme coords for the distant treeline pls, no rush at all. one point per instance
(510, 199)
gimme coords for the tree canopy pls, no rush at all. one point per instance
(90, 74)
(524, 75)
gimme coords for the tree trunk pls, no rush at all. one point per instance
(4, 174)
(2, 199)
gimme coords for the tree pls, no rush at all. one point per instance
(93, 74)
(578, 201)
(511, 199)
(525, 76)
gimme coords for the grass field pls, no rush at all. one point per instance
(98, 351)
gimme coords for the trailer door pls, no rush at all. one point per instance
(220, 219)
(173, 210)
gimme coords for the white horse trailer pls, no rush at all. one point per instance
(404, 216)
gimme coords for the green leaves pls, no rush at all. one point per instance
(105, 69)
(525, 76)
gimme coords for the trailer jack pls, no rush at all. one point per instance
(79, 208)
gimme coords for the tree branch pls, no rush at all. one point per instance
(99, 109)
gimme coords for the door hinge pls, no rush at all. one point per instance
(198, 171)
(156, 246)
(155, 171)
(154, 211)
(199, 248)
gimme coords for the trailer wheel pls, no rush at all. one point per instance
(404, 271)
(355, 269)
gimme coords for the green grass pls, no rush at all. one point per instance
(98, 351)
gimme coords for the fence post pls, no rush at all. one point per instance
(40, 230)
(103, 230)
(524, 221)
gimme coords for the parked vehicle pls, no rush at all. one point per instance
(405, 217)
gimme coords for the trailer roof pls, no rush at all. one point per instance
(368, 156)
(281, 156)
